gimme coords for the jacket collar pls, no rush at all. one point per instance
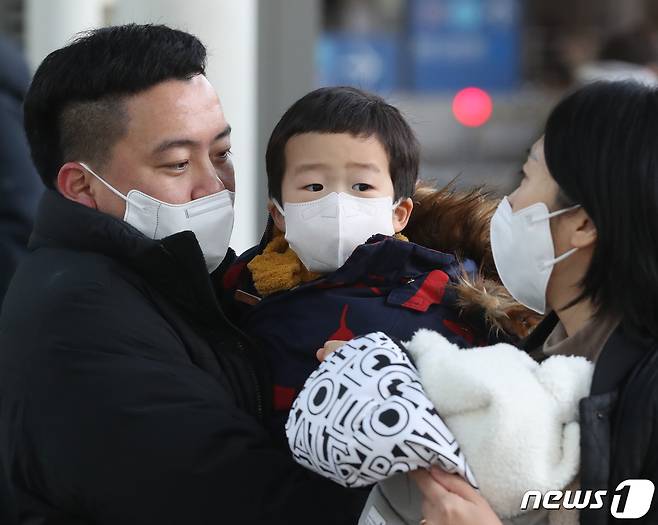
(395, 261)
(174, 265)
(62, 223)
(621, 353)
(381, 259)
(427, 256)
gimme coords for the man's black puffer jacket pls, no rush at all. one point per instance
(126, 397)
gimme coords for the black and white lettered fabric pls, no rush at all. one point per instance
(363, 416)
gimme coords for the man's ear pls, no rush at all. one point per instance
(585, 234)
(74, 183)
(401, 214)
(279, 220)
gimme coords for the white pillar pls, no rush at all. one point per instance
(287, 30)
(50, 24)
(228, 28)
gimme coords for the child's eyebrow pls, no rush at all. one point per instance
(364, 166)
(313, 166)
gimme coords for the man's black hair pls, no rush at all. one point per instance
(74, 110)
(353, 111)
(601, 147)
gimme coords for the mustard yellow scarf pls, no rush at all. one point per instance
(278, 268)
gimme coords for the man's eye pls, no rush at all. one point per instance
(361, 186)
(314, 187)
(224, 155)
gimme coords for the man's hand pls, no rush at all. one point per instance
(449, 500)
(328, 348)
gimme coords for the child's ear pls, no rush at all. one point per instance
(278, 219)
(401, 214)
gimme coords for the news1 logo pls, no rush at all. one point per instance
(631, 500)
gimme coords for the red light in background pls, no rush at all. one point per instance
(472, 107)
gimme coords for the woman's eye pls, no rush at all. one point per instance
(361, 186)
(314, 187)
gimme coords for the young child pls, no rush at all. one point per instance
(342, 166)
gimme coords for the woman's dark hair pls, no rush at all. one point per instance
(74, 110)
(347, 110)
(601, 147)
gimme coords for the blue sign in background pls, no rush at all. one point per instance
(459, 43)
(445, 45)
(366, 61)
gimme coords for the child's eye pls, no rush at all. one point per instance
(361, 186)
(314, 187)
(179, 166)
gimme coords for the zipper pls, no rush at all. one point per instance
(252, 373)
(219, 313)
(254, 378)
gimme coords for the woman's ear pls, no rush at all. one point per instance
(585, 233)
(277, 217)
(401, 214)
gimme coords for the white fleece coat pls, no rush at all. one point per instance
(504, 422)
(515, 419)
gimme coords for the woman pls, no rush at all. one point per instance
(579, 238)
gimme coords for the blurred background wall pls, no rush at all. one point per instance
(476, 78)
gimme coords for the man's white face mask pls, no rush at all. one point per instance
(324, 232)
(522, 247)
(210, 218)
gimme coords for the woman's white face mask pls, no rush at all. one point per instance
(523, 251)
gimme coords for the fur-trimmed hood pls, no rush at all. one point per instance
(457, 222)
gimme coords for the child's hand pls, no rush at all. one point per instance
(450, 500)
(328, 348)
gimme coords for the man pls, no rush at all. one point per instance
(19, 184)
(126, 395)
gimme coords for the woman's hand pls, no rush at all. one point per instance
(449, 500)
(328, 348)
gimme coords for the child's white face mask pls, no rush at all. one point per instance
(210, 218)
(324, 232)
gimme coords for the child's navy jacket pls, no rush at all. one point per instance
(387, 285)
